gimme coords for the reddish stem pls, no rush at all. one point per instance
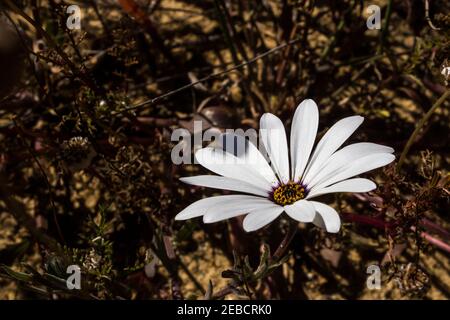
(372, 221)
(381, 224)
(431, 226)
(438, 243)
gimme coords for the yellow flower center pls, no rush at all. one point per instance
(288, 193)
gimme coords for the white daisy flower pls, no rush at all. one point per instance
(273, 187)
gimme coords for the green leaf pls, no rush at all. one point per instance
(15, 275)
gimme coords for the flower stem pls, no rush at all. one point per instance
(279, 253)
(419, 126)
(292, 230)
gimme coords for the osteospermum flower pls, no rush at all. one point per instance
(273, 187)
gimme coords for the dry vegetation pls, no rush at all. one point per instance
(85, 136)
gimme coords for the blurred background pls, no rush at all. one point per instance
(89, 98)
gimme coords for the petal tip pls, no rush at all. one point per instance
(334, 230)
(179, 217)
(391, 157)
(198, 155)
(310, 102)
(267, 115)
(248, 228)
(373, 186)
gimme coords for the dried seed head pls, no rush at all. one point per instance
(411, 279)
(77, 153)
(92, 260)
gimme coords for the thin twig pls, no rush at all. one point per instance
(223, 293)
(211, 76)
(191, 276)
(132, 8)
(427, 16)
(438, 243)
(47, 181)
(75, 70)
(434, 241)
(17, 210)
(419, 126)
(385, 30)
(431, 226)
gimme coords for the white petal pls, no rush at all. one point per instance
(224, 183)
(303, 135)
(302, 211)
(330, 142)
(223, 211)
(273, 136)
(356, 167)
(259, 218)
(342, 157)
(351, 185)
(199, 208)
(327, 218)
(227, 165)
(244, 149)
